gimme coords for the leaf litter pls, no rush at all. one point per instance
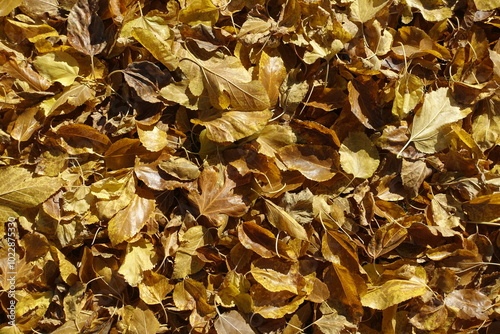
(207, 167)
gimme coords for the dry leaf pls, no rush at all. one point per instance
(438, 109)
(358, 155)
(216, 199)
(20, 190)
(232, 322)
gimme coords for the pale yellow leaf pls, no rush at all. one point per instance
(365, 10)
(58, 67)
(8, 6)
(232, 322)
(438, 109)
(359, 156)
(139, 257)
(19, 190)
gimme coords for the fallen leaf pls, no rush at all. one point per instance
(470, 304)
(393, 292)
(216, 199)
(57, 67)
(358, 155)
(280, 219)
(128, 222)
(20, 190)
(85, 28)
(315, 162)
(135, 320)
(232, 322)
(229, 126)
(139, 257)
(438, 110)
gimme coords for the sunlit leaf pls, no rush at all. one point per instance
(139, 257)
(130, 220)
(138, 321)
(57, 67)
(280, 219)
(393, 292)
(215, 198)
(229, 126)
(438, 109)
(8, 6)
(232, 322)
(85, 28)
(358, 155)
(20, 190)
(315, 162)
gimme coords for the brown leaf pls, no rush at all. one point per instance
(385, 239)
(470, 303)
(85, 28)
(215, 198)
(315, 162)
(280, 219)
(363, 97)
(80, 139)
(263, 241)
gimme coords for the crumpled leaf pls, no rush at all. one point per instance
(438, 109)
(215, 198)
(20, 190)
(359, 156)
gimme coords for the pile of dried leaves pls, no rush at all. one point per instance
(214, 166)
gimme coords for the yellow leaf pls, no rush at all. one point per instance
(152, 138)
(280, 219)
(138, 321)
(19, 190)
(129, 221)
(229, 126)
(409, 91)
(8, 6)
(228, 83)
(393, 292)
(487, 4)
(139, 257)
(232, 322)
(57, 67)
(434, 10)
(277, 275)
(154, 288)
(199, 12)
(186, 262)
(438, 109)
(272, 72)
(35, 32)
(358, 155)
(365, 10)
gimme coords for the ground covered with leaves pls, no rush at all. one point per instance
(212, 166)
